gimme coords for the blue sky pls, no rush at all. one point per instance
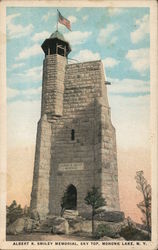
(120, 37)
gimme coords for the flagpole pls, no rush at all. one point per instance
(57, 20)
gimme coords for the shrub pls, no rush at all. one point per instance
(14, 212)
(131, 233)
(104, 230)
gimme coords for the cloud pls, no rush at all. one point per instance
(40, 36)
(17, 30)
(22, 122)
(11, 93)
(17, 65)
(131, 118)
(29, 51)
(110, 62)
(23, 94)
(77, 37)
(142, 29)
(139, 59)
(72, 19)
(33, 74)
(47, 16)
(128, 86)
(85, 18)
(104, 34)
(87, 55)
(114, 11)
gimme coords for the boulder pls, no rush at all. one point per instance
(60, 226)
(16, 227)
(54, 224)
(24, 224)
(130, 231)
(35, 215)
(111, 216)
(70, 214)
(103, 208)
(87, 226)
(75, 225)
(31, 225)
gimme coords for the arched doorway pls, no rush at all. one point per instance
(69, 200)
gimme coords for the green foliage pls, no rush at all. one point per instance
(104, 230)
(26, 211)
(131, 233)
(145, 205)
(14, 212)
(95, 199)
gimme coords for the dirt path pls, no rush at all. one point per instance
(46, 237)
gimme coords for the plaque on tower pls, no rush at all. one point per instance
(71, 166)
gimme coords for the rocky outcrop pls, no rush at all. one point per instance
(70, 214)
(55, 225)
(21, 225)
(60, 226)
(110, 216)
(35, 215)
(16, 227)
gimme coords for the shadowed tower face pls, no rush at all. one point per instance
(75, 145)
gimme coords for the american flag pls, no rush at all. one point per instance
(64, 21)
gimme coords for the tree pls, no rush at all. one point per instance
(95, 200)
(14, 212)
(145, 205)
(26, 211)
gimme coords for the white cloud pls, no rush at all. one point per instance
(17, 65)
(128, 86)
(110, 62)
(72, 19)
(114, 11)
(104, 34)
(77, 37)
(142, 29)
(33, 74)
(11, 93)
(85, 18)
(48, 15)
(29, 51)
(139, 59)
(40, 36)
(87, 55)
(131, 118)
(22, 122)
(17, 30)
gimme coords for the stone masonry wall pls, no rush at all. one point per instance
(40, 189)
(84, 96)
(53, 84)
(90, 159)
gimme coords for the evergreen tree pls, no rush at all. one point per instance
(95, 200)
(14, 211)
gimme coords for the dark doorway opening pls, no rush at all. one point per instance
(69, 200)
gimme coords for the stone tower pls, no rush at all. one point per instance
(75, 144)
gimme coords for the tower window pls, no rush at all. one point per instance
(72, 134)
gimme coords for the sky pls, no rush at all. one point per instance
(120, 37)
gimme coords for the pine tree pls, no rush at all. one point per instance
(95, 200)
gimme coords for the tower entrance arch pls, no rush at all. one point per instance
(69, 200)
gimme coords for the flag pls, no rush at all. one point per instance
(64, 21)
